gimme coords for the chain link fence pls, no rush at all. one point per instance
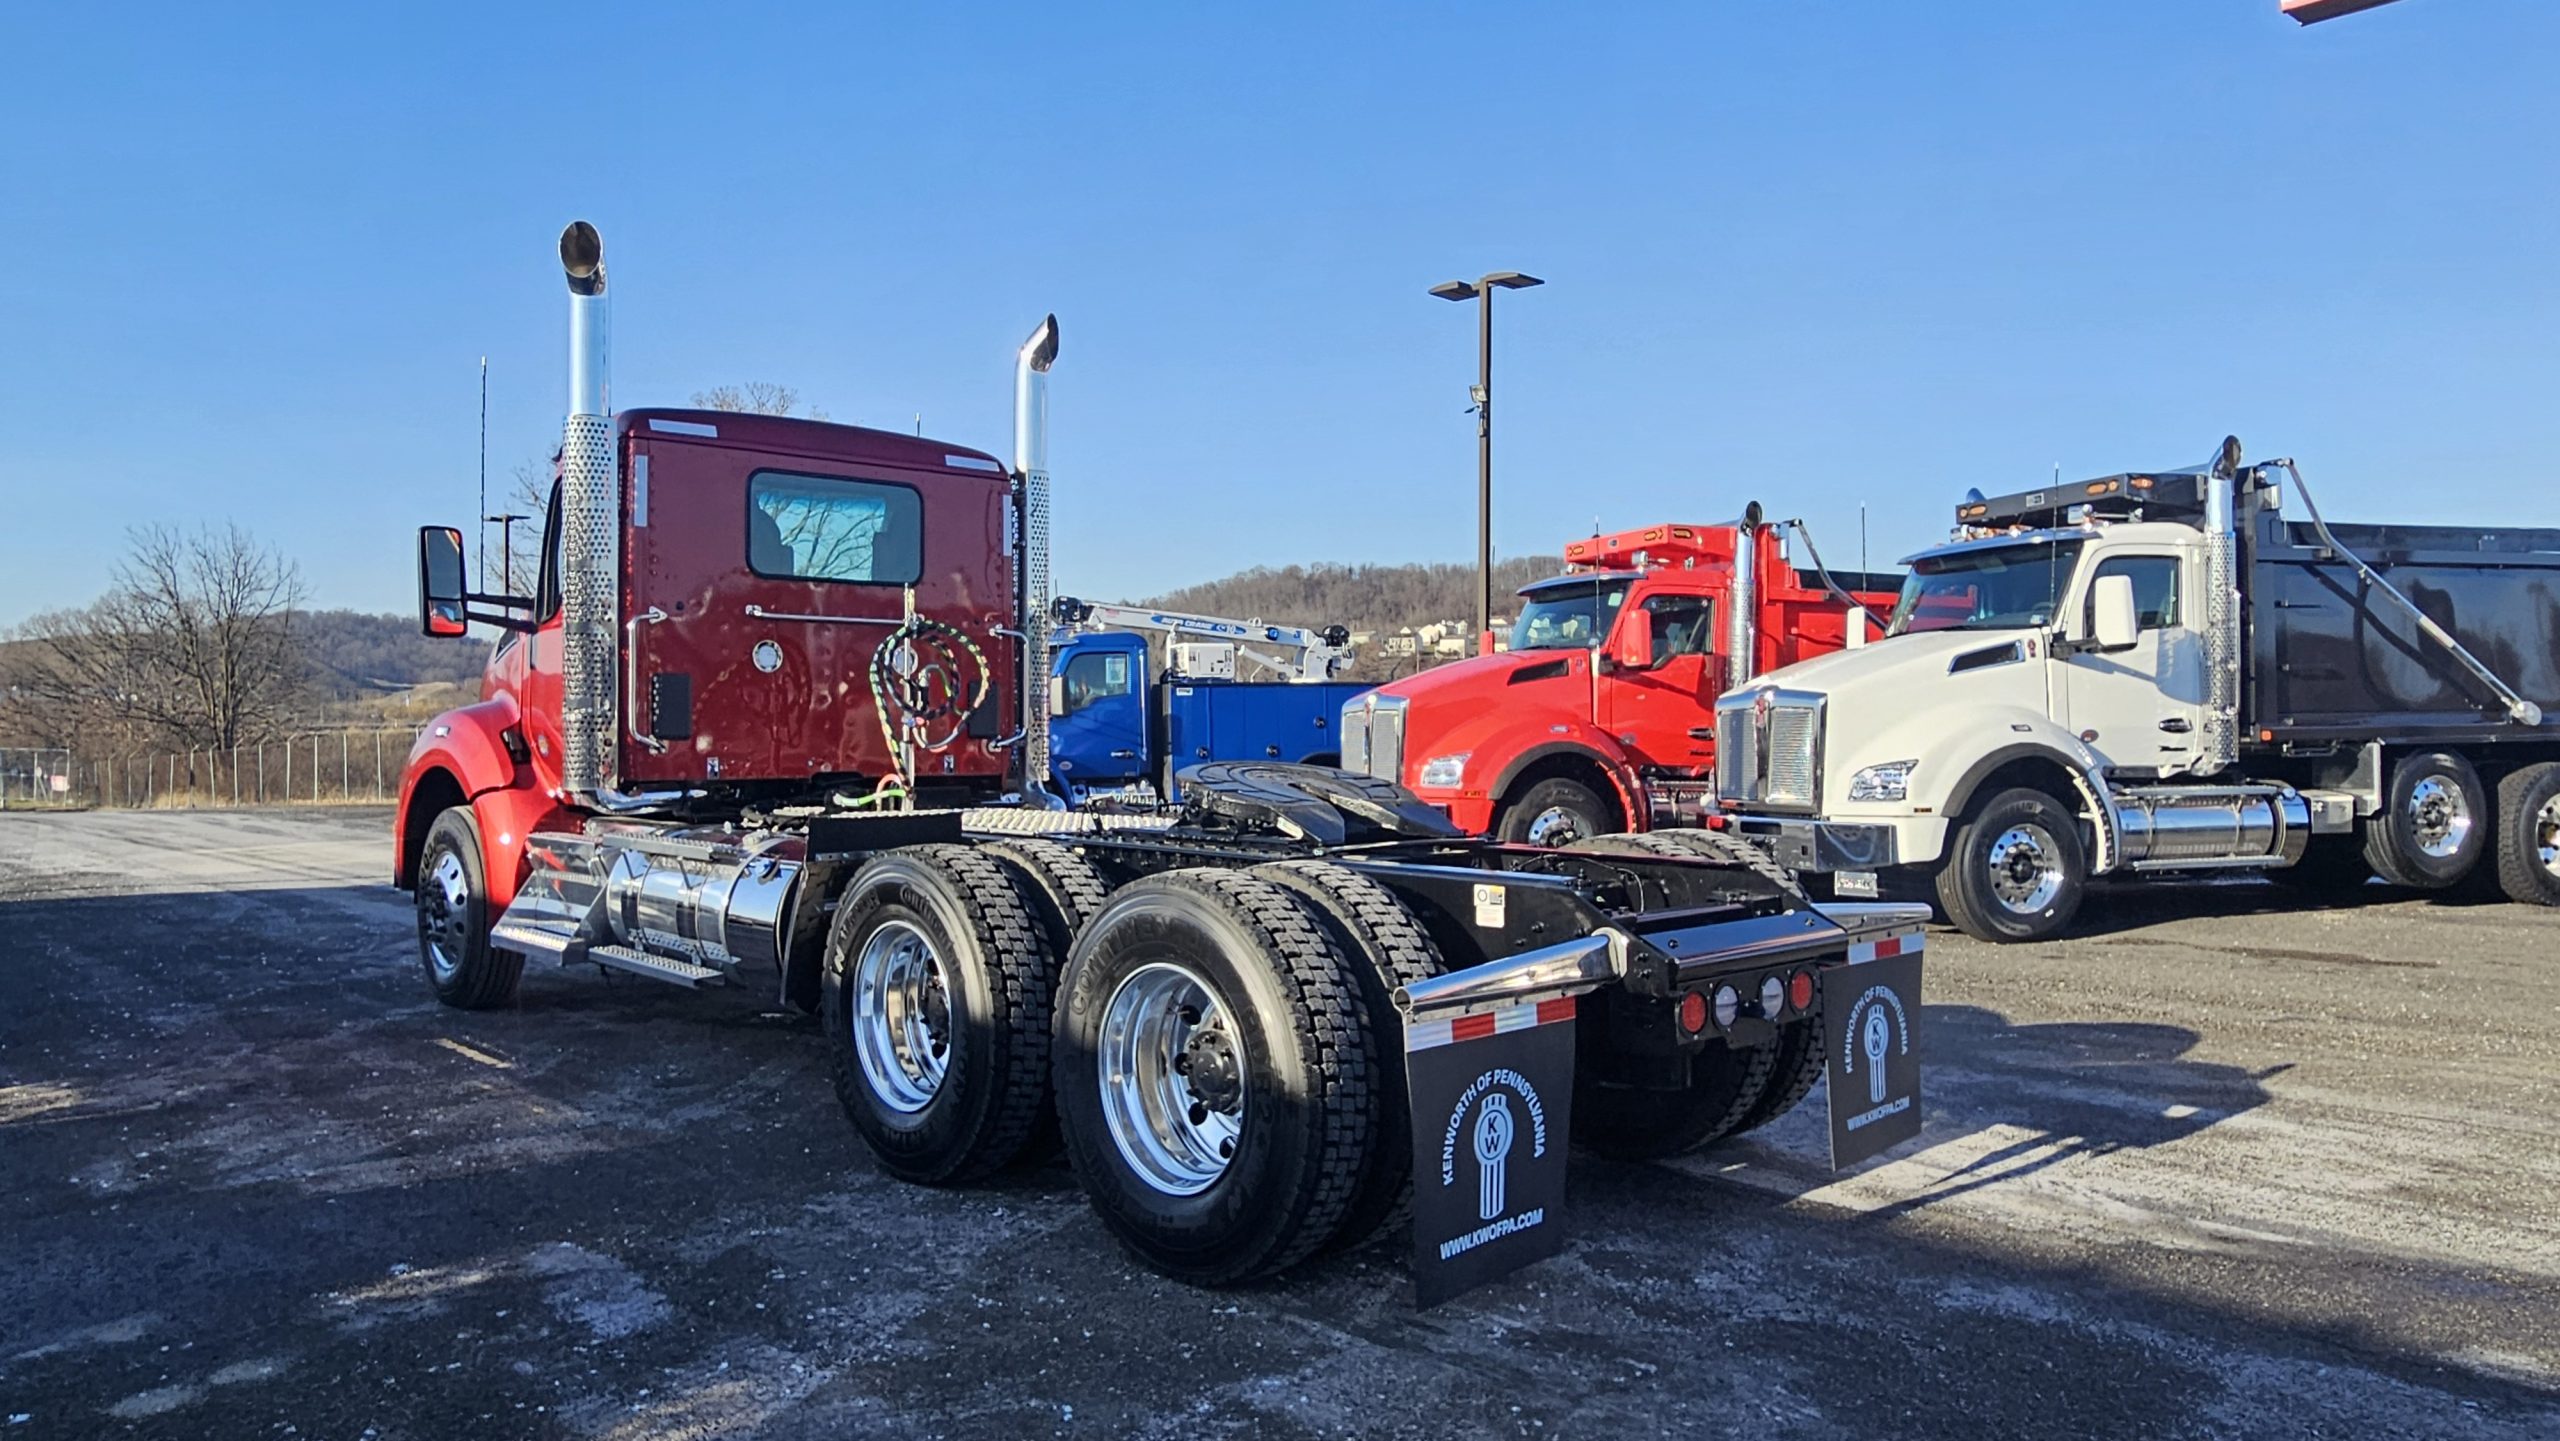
(308, 767)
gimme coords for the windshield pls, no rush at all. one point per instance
(1567, 617)
(2000, 589)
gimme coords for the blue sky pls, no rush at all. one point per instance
(1870, 251)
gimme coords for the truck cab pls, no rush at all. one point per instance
(1597, 717)
(2159, 672)
(1126, 719)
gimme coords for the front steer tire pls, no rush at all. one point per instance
(1556, 811)
(465, 970)
(2015, 869)
(962, 1100)
(1274, 1036)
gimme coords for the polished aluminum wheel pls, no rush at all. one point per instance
(901, 1016)
(2026, 869)
(2439, 817)
(1554, 827)
(1173, 1076)
(2546, 835)
(444, 915)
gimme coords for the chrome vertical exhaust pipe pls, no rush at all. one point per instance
(1741, 626)
(1031, 589)
(2221, 738)
(590, 514)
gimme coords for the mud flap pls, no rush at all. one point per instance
(1871, 1019)
(1492, 1098)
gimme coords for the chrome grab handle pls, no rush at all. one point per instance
(760, 613)
(631, 676)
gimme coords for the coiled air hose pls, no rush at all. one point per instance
(927, 679)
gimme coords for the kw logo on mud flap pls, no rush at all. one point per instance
(1877, 1030)
(1489, 1138)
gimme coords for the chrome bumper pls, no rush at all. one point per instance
(1815, 845)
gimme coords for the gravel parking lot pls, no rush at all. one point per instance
(2212, 1168)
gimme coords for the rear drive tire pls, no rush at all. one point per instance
(1062, 891)
(1730, 851)
(1555, 812)
(2529, 834)
(1387, 949)
(465, 970)
(1635, 1123)
(1792, 1073)
(936, 992)
(2015, 870)
(2434, 825)
(1214, 1070)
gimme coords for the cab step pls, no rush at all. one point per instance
(656, 968)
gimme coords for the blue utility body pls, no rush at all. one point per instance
(1118, 724)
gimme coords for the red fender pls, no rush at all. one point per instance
(462, 754)
(1591, 744)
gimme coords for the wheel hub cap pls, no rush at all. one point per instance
(2026, 869)
(2439, 817)
(902, 1017)
(1555, 826)
(444, 913)
(1174, 1079)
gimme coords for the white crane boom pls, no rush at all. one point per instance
(1197, 641)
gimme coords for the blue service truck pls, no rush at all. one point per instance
(1137, 695)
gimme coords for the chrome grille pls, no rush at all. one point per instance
(1770, 755)
(1386, 740)
(1787, 777)
(1355, 737)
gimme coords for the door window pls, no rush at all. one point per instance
(1096, 676)
(812, 527)
(2155, 589)
(1681, 625)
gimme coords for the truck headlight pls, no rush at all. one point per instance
(1888, 782)
(1444, 770)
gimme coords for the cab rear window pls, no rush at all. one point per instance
(816, 527)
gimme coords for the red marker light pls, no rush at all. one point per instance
(1693, 1012)
(1800, 990)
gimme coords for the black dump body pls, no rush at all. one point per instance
(2332, 658)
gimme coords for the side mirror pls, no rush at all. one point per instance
(443, 583)
(1057, 695)
(1636, 653)
(2113, 625)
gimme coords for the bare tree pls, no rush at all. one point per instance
(193, 645)
(755, 397)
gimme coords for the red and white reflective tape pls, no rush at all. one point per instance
(1423, 1035)
(1888, 948)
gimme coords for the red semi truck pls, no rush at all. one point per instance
(775, 716)
(1600, 717)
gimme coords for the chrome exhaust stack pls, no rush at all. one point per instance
(590, 505)
(2221, 739)
(1031, 579)
(1741, 628)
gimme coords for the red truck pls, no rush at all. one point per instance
(1600, 717)
(775, 716)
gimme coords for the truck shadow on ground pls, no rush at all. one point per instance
(2120, 906)
(642, 1210)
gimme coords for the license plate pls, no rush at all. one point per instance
(1861, 884)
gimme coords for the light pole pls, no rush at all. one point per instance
(1481, 291)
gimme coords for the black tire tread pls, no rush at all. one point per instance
(2520, 874)
(1390, 949)
(1792, 1071)
(2383, 833)
(1325, 1013)
(490, 977)
(1692, 1129)
(1699, 845)
(1023, 976)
